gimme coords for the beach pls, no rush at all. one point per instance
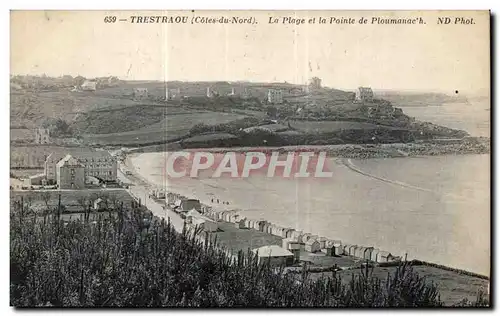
(440, 221)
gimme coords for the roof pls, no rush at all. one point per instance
(38, 176)
(68, 160)
(311, 241)
(366, 89)
(272, 251)
(79, 153)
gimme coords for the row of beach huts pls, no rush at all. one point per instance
(295, 240)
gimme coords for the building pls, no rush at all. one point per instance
(88, 85)
(99, 204)
(185, 205)
(70, 173)
(274, 255)
(364, 94)
(42, 136)
(140, 93)
(315, 83)
(312, 245)
(173, 93)
(246, 94)
(240, 224)
(196, 219)
(211, 93)
(275, 96)
(374, 255)
(98, 164)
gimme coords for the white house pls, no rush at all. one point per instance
(364, 94)
(89, 85)
(275, 255)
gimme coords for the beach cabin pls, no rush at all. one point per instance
(312, 246)
(359, 252)
(218, 216)
(274, 255)
(288, 232)
(338, 249)
(384, 256)
(328, 248)
(374, 255)
(240, 224)
(234, 218)
(278, 231)
(263, 225)
(368, 253)
(99, 204)
(265, 228)
(297, 235)
(345, 248)
(305, 237)
(251, 222)
(274, 230)
(225, 216)
(246, 222)
(352, 249)
(322, 242)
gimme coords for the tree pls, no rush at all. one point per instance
(272, 111)
(46, 196)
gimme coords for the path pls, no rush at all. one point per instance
(140, 190)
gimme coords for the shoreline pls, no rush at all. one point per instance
(354, 151)
(186, 193)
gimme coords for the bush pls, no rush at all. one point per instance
(119, 261)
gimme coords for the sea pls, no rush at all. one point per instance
(435, 209)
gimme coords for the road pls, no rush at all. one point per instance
(140, 190)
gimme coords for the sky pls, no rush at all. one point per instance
(397, 57)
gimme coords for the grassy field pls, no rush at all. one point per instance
(243, 239)
(453, 287)
(70, 199)
(31, 108)
(22, 134)
(170, 128)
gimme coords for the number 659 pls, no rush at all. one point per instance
(110, 19)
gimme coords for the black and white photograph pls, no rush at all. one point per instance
(250, 159)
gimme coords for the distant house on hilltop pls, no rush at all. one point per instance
(89, 85)
(275, 96)
(364, 94)
(315, 83)
(42, 136)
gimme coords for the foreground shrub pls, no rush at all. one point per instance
(127, 261)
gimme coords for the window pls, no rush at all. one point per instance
(72, 171)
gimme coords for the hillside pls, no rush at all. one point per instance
(117, 115)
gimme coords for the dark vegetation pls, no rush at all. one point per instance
(133, 259)
(127, 119)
